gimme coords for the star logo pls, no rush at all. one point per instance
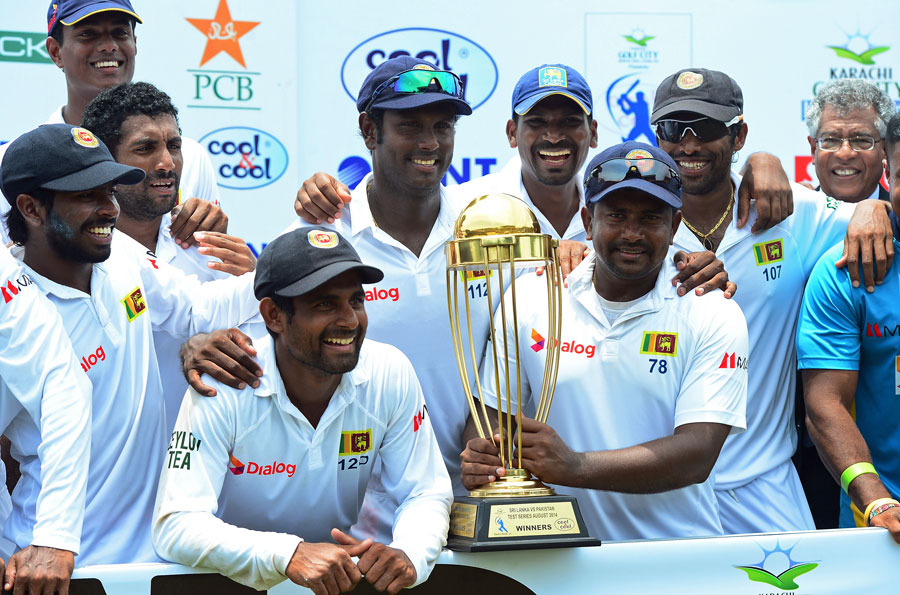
(223, 34)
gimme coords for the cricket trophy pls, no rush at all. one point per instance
(495, 237)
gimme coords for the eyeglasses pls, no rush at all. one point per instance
(419, 81)
(615, 170)
(705, 129)
(857, 143)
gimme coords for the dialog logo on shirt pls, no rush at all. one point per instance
(578, 348)
(91, 360)
(355, 442)
(375, 294)
(656, 343)
(538, 341)
(11, 289)
(733, 361)
(254, 468)
(768, 252)
(134, 304)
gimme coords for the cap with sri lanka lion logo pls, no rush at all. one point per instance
(305, 258)
(707, 93)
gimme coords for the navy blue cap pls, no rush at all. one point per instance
(302, 259)
(551, 79)
(668, 192)
(388, 99)
(69, 12)
(701, 91)
(61, 158)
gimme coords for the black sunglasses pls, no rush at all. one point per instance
(705, 129)
(614, 171)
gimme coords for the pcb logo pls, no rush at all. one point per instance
(768, 252)
(355, 442)
(134, 304)
(656, 343)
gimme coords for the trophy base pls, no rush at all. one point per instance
(523, 523)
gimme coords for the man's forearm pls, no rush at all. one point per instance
(669, 463)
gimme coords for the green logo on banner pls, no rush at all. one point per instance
(19, 46)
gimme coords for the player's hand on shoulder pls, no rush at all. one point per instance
(385, 568)
(868, 244)
(235, 254)
(702, 272)
(765, 181)
(226, 355)
(321, 198)
(481, 462)
(196, 214)
(324, 568)
(37, 569)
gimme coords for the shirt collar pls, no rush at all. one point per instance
(581, 286)
(271, 384)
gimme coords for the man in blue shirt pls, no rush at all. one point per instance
(848, 344)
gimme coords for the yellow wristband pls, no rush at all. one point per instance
(854, 471)
(875, 503)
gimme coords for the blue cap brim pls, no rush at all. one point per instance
(96, 175)
(645, 186)
(525, 105)
(95, 8)
(414, 100)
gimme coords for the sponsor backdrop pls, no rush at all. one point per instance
(268, 87)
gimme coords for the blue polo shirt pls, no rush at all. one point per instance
(846, 328)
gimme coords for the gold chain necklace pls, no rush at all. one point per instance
(704, 237)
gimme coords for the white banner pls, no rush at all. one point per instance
(839, 561)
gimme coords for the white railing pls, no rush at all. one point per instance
(842, 561)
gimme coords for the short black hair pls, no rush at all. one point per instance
(57, 31)
(285, 304)
(105, 114)
(15, 222)
(892, 138)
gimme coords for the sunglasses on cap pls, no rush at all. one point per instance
(615, 170)
(419, 81)
(705, 129)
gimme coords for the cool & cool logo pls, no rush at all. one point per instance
(245, 158)
(447, 51)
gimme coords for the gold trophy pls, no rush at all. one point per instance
(495, 236)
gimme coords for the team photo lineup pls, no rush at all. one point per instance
(720, 338)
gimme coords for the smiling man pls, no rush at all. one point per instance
(329, 409)
(60, 182)
(699, 119)
(847, 124)
(640, 466)
(139, 125)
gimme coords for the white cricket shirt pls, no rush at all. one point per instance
(190, 262)
(112, 334)
(771, 269)
(45, 411)
(657, 367)
(247, 476)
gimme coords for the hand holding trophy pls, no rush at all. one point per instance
(495, 237)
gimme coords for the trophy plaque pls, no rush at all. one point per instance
(494, 236)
